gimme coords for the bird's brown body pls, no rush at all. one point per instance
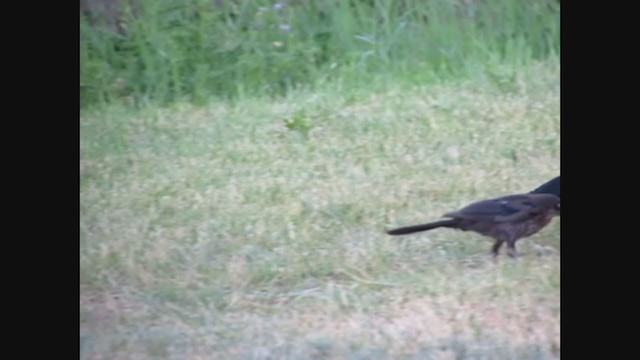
(507, 219)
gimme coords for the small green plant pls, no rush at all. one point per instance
(300, 123)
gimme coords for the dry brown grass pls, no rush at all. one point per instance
(221, 233)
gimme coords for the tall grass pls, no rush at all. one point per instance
(193, 50)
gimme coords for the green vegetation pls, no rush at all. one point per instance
(240, 213)
(192, 50)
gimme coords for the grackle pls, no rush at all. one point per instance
(507, 219)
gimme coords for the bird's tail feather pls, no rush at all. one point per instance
(422, 227)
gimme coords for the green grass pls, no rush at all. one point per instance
(254, 229)
(192, 51)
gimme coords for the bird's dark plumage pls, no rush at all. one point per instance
(507, 219)
(550, 187)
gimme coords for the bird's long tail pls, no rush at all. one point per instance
(422, 227)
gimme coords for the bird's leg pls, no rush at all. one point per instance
(496, 247)
(511, 249)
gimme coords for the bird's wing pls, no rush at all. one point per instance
(510, 208)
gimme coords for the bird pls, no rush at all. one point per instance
(506, 219)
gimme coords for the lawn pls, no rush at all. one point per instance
(255, 228)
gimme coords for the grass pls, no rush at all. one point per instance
(254, 228)
(175, 51)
